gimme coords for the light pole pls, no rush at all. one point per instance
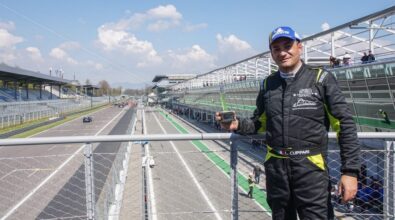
(108, 94)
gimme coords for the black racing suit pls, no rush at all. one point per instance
(296, 114)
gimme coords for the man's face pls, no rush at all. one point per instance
(286, 53)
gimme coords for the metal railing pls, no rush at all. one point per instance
(16, 113)
(387, 209)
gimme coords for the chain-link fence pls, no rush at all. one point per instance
(167, 180)
(16, 113)
(376, 189)
(84, 184)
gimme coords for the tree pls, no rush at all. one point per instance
(116, 91)
(134, 92)
(87, 82)
(104, 88)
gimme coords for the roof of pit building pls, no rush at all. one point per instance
(19, 74)
(375, 32)
(173, 77)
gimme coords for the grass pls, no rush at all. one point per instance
(19, 126)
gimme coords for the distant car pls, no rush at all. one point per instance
(87, 119)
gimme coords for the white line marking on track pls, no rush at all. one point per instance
(31, 193)
(35, 171)
(8, 174)
(49, 149)
(18, 170)
(190, 173)
(228, 176)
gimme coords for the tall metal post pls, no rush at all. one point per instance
(393, 180)
(389, 185)
(89, 182)
(233, 179)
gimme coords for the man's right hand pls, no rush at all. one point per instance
(229, 126)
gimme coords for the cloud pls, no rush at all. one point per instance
(58, 53)
(7, 25)
(7, 43)
(121, 40)
(152, 58)
(192, 59)
(71, 61)
(7, 57)
(160, 18)
(62, 55)
(232, 49)
(115, 40)
(70, 45)
(110, 39)
(34, 54)
(97, 66)
(325, 26)
(231, 43)
(161, 25)
(7, 40)
(192, 27)
(167, 11)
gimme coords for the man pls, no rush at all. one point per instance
(251, 184)
(295, 107)
(384, 115)
(347, 59)
(364, 58)
(371, 57)
(257, 173)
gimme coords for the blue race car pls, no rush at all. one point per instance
(87, 119)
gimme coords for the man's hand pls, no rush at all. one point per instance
(348, 187)
(230, 126)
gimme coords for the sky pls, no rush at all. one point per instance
(128, 42)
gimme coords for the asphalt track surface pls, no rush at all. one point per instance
(190, 179)
(26, 169)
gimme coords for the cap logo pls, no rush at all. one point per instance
(280, 31)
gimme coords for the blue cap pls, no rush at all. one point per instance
(283, 31)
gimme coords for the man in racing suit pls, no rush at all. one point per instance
(295, 107)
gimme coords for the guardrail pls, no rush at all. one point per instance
(17, 113)
(388, 202)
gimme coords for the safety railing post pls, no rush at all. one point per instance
(389, 197)
(233, 179)
(391, 210)
(393, 179)
(89, 182)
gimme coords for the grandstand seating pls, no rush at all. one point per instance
(7, 95)
(367, 87)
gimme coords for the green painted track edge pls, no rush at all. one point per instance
(258, 194)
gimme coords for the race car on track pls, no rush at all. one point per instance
(87, 119)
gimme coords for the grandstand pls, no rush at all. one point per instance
(131, 167)
(24, 85)
(26, 96)
(367, 86)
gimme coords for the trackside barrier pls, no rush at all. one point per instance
(16, 113)
(388, 188)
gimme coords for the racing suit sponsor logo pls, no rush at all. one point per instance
(304, 99)
(293, 152)
(303, 102)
